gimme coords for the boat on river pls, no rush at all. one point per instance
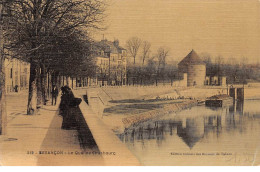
(219, 100)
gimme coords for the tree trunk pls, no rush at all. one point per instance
(58, 80)
(3, 114)
(55, 79)
(39, 87)
(80, 84)
(31, 105)
(52, 80)
(43, 84)
(2, 102)
(67, 80)
(48, 85)
(2, 95)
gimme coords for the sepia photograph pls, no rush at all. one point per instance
(129, 82)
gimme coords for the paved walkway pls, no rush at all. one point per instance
(28, 136)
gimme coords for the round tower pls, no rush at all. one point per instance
(196, 75)
(195, 69)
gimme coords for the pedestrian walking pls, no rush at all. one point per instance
(54, 94)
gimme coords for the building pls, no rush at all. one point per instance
(216, 80)
(111, 63)
(195, 69)
(17, 73)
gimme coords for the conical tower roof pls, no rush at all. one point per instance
(191, 58)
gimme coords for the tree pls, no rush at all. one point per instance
(150, 71)
(206, 58)
(219, 61)
(4, 17)
(36, 25)
(161, 55)
(145, 50)
(172, 73)
(70, 56)
(133, 45)
(2, 74)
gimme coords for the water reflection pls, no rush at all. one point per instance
(192, 126)
(192, 131)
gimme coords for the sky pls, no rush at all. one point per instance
(226, 28)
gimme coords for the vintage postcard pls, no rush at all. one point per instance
(129, 82)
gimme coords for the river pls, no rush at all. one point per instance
(199, 136)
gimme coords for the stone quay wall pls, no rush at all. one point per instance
(167, 109)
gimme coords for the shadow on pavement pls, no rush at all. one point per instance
(67, 144)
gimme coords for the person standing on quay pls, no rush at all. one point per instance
(54, 94)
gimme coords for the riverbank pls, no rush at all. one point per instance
(167, 109)
(121, 107)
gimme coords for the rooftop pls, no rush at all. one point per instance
(191, 58)
(109, 46)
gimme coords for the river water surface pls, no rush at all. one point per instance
(199, 136)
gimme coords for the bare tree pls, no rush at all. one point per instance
(35, 25)
(206, 58)
(145, 50)
(219, 61)
(162, 53)
(133, 45)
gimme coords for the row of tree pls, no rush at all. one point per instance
(236, 73)
(153, 68)
(52, 35)
(150, 74)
